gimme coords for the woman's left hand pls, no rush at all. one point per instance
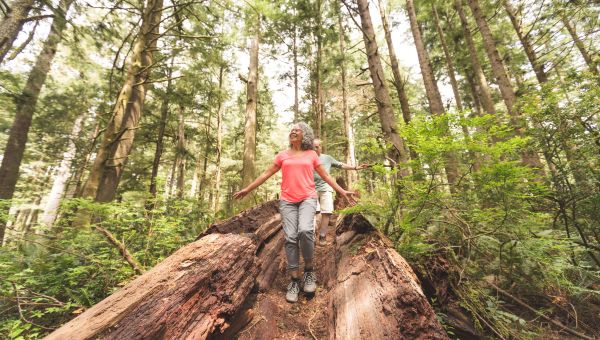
(349, 196)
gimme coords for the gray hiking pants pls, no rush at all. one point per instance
(298, 226)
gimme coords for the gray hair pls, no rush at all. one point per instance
(308, 136)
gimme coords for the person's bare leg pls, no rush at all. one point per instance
(324, 224)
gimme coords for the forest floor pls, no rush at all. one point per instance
(275, 318)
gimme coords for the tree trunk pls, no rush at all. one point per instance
(483, 90)
(448, 59)
(296, 89)
(348, 132)
(584, 53)
(399, 82)
(25, 107)
(219, 150)
(515, 19)
(204, 158)
(382, 96)
(62, 175)
(529, 158)
(433, 94)
(248, 170)
(78, 178)
(164, 113)
(12, 24)
(118, 138)
(318, 82)
(187, 296)
(181, 151)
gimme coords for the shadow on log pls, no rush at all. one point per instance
(222, 286)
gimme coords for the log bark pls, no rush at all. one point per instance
(376, 293)
(204, 290)
(188, 296)
(12, 24)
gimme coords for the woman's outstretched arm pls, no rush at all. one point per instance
(327, 178)
(257, 182)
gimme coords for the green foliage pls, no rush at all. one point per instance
(59, 273)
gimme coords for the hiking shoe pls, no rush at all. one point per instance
(292, 291)
(322, 241)
(310, 282)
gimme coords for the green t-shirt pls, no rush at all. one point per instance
(327, 162)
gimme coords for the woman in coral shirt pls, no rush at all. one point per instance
(298, 204)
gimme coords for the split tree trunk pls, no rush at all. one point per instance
(62, 175)
(249, 168)
(382, 96)
(12, 24)
(433, 94)
(25, 107)
(351, 176)
(118, 138)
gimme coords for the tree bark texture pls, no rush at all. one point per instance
(348, 132)
(249, 168)
(376, 293)
(398, 80)
(187, 296)
(62, 176)
(296, 89)
(118, 138)
(433, 93)
(12, 24)
(25, 107)
(382, 96)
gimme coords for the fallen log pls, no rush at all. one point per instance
(190, 295)
(376, 294)
(230, 284)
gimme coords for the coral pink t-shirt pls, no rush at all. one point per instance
(297, 180)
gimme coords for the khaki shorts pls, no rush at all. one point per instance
(325, 202)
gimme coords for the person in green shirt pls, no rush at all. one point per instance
(324, 191)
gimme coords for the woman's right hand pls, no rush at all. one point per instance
(240, 194)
